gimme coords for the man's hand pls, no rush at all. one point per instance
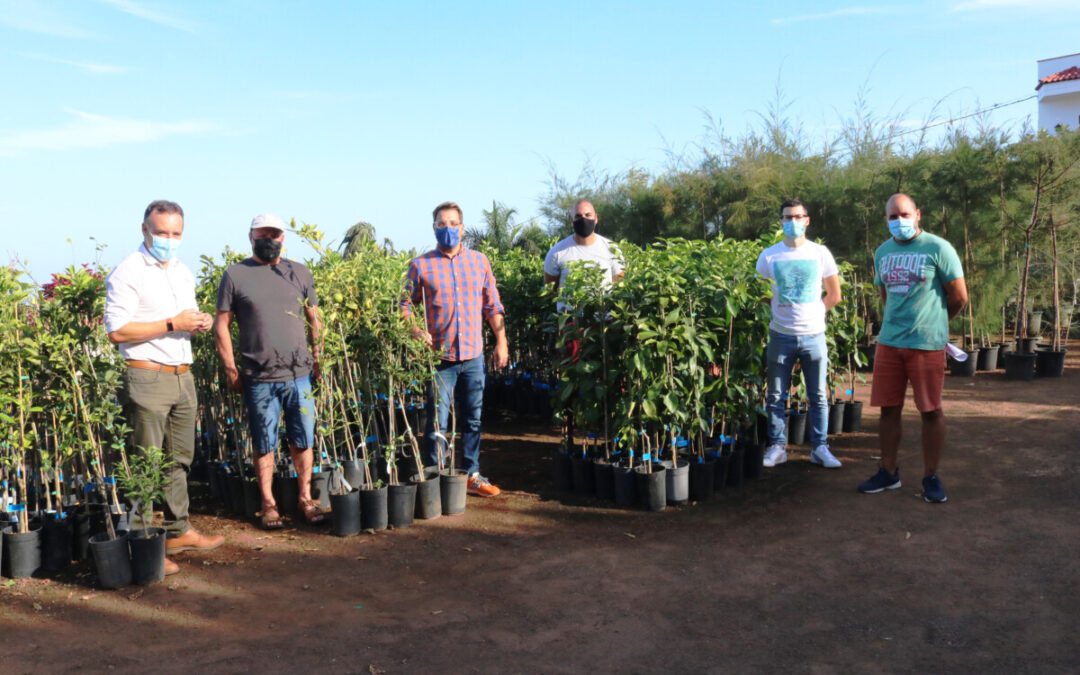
(502, 355)
(421, 334)
(207, 323)
(232, 376)
(191, 321)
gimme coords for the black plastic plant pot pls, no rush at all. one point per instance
(582, 474)
(1049, 363)
(80, 533)
(320, 488)
(752, 456)
(677, 483)
(625, 486)
(373, 515)
(965, 368)
(853, 416)
(836, 416)
(56, 541)
(1019, 366)
(702, 478)
(428, 494)
(735, 468)
(22, 552)
(286, 492)
(345, 513)
(112, 560)
(988, 358)
(353, 470)
(215, 481)
(236, 495)
(562, 471)
(1003, 349)
(1028, 344)
(723, 461)
(453, 487)
(252, 497)
(651, 487)
(147, 555)
(604, 478)
(401, 504)
(796, 427)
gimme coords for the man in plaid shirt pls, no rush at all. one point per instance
(458, 290)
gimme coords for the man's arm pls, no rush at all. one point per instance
(832, 291)
(956, 295)
(223, 341)
(502, 349)
(189, 320)
(314, 330)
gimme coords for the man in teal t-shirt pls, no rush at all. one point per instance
(922, 286)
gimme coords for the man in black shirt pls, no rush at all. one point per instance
(274, 303)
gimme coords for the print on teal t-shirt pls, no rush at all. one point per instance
(915, 274)
(796, 280)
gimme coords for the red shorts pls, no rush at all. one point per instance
(894, 367)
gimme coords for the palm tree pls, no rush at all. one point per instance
(499, 230)
(355, 238)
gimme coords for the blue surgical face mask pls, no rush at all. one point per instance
(164, 249)
(794, 228)
(902, 228)
(448, 237)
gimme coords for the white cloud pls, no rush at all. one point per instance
(94, 68)
(98, 131)
(838, 13)
(141, 11)
(34, 17)
(978, 5)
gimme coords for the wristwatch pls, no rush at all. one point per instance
(168, 324)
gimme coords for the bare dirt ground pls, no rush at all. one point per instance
(795, 572)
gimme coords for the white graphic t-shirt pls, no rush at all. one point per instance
(796, 275)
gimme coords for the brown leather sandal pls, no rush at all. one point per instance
(312, 512)
(269, 517)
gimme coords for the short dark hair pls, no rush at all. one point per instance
(445, 206)
(161, 206)
(791, 203)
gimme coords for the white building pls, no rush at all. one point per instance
(1059, 92)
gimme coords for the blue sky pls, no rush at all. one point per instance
(333, 112)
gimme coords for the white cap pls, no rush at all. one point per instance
(267, 220)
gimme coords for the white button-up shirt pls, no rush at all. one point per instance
(142, 289)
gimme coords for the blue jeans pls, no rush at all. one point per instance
(813, 356)
(465, 379)
(265, 401)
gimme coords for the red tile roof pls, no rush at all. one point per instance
(1072, 73)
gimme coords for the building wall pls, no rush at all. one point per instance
(1059, 102)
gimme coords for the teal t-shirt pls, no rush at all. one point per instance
(915, 274)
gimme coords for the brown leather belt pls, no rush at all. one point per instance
(153, 365)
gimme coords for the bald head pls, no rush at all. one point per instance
(900, 205)
(583, 208)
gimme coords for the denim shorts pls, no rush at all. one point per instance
(265, 402)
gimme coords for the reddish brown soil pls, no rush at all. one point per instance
(795, 572)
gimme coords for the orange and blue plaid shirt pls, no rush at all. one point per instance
(458, 294)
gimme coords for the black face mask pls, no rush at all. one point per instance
(266, 249)
(583, 227)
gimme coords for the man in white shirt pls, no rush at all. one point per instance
(150, 314)
(587, 246)
(798, 268)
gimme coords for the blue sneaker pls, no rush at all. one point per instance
(933, 491)
(882, 480)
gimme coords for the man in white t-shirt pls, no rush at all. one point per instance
(588, 246)
(798, 269)
(585, 244)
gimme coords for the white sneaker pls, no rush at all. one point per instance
(822, 456)
(773, 456)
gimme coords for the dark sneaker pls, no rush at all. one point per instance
(933, 491)
(882, 480)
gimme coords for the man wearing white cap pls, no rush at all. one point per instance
(273, 300)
